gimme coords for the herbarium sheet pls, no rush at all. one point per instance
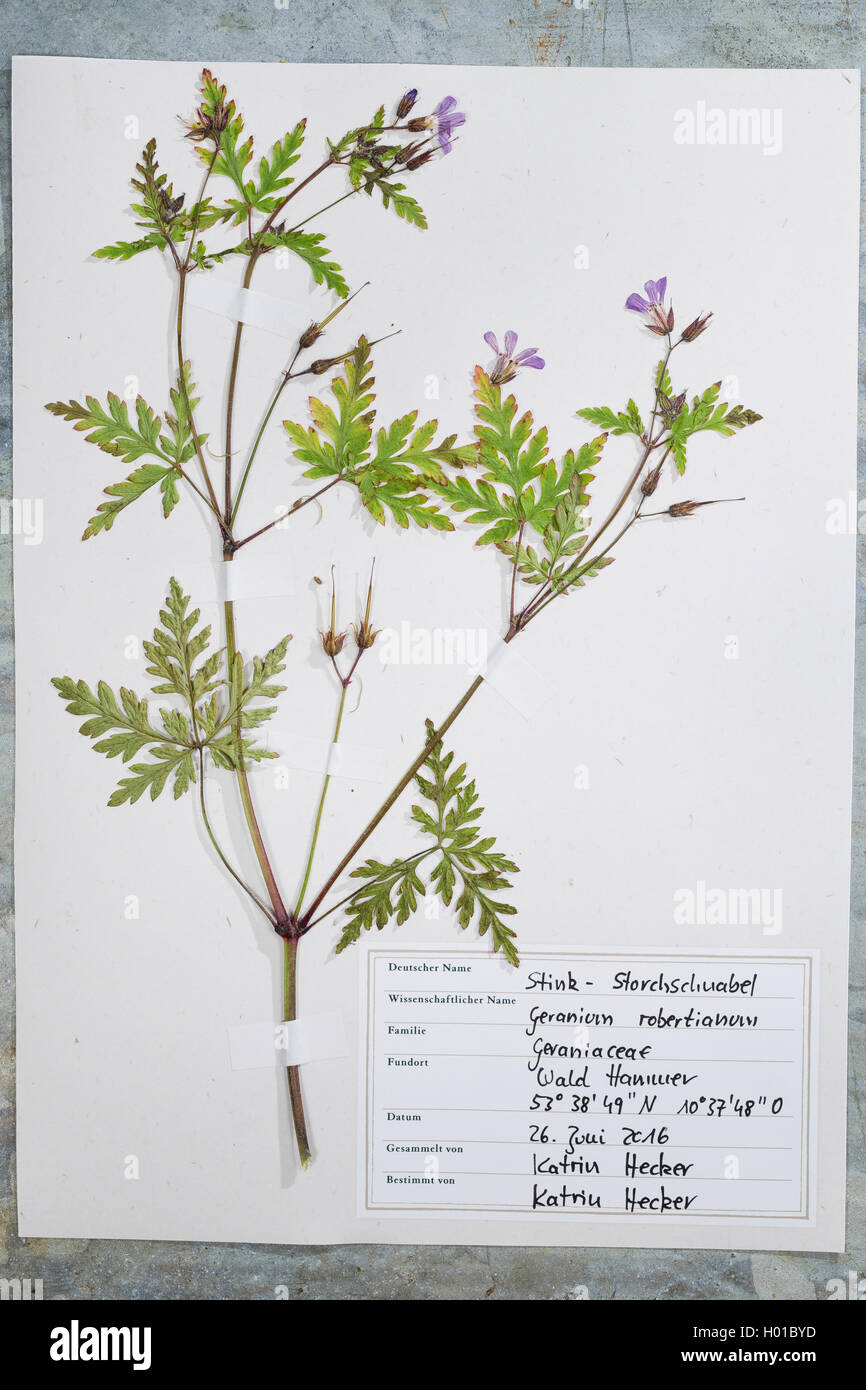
(434, 540)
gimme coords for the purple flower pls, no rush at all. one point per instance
(658, 319)
(446, 119)
(507, 365)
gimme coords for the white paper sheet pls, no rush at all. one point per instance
(686, 788)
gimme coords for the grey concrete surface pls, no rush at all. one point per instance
(614, 33)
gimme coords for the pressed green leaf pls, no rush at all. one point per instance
(310, 247)
(626, 421)
(129, 490)
(123, 728)
(466, 861)
(111, 430)
(159, 212)
(517, 483)
(273, 169)
(397, 475)
(707, 412)
(219, 711)
(179, 444)
(125, 250)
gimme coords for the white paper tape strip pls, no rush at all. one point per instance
(263, 574)
(516, 681)
(351, 761)
(313, 1039)
(246, 306)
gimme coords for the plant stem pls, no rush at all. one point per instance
(306, 921)
(230, 399)
(213, 839)
(254, 255)
(293, 1074)
(546, 593)
(318, 822)
(195, 487)
(284, 924)
(403, 864)
(511, 611)
(282, 917)
(286, 378)
(650, 445)
(296, 507)
(181, 295)
(365, 187)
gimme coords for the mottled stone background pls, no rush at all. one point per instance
(610, 33)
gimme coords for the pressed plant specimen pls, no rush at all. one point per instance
(527, 505)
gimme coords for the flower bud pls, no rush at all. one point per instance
(365, 633)
(406, 102)
(651, 481)
(408, 152)
(310, 335)
(670, 407)
(695, 328)
(332, 642)
(324, 364)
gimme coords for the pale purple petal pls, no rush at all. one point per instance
(636, 303)
(510, 342)
(445, 105)
(525, 354)
(490, 340)
(444, 142)
(537, 362)
(655, 289)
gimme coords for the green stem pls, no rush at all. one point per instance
(290, 1009)
(230, 508)
(246, 473)
(403, 864)
(317, 826)
(230, 398)
(368, 183)
(181, 297)
(579, 568)
(213, 839)
(307, 920)
(295, 507)
(546, 593)
(282, 917)
(283, 920)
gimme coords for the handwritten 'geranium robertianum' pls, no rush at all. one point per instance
(504, 481)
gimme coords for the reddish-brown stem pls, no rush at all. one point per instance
(514, 574)
(181, 293)
(283, 917)
(293, 1074)
(306, 920)
(301, 502)
(255, 253)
